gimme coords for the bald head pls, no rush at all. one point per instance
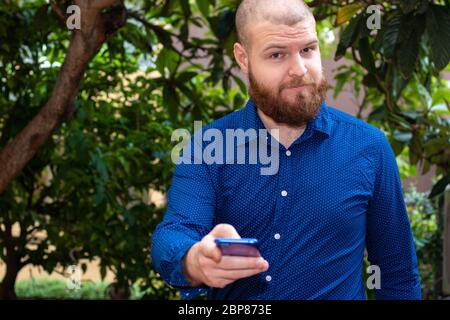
(287, 12)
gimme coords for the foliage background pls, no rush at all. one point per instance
(85, 194)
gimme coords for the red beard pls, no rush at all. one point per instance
(294, 114)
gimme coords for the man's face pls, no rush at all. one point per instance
(285, 71)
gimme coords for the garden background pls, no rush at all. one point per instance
(86, 118)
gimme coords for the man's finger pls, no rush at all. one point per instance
(239, 263)
(210, 249)
(224, 230)
(237, 274)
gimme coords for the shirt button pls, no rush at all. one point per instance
(268, 278)
(288, 153)
(277, 236)
(284, 193)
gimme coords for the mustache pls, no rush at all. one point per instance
(297, 83)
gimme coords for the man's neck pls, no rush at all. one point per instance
(287, 134)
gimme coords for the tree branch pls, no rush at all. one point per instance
(58, 11)
(96, 27)
(157, 29)
(102, 4)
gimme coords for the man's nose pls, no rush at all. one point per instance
(297, 67)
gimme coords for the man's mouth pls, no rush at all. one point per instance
(300, 87)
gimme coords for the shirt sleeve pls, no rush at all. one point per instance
(389, 240)
(189, 217)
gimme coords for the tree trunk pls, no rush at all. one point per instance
(118, 292)
(7, 287)
(96, 27)
(13, 266)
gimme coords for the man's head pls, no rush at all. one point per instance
(279, 51)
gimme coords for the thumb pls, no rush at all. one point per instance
(224, 230)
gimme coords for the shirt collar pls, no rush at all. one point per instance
(251, 120)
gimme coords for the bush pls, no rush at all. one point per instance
(427, 237)
(48, 288)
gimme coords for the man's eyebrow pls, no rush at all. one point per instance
(313, 42)
(280, 46)
(274, 46)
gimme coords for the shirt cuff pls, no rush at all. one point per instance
(178, 279)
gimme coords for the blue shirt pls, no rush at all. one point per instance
(337, 193)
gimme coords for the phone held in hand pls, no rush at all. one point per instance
(242, 247)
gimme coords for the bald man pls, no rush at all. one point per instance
(337, 191)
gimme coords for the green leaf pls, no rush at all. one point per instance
(186, 7)
(163, 36)
(409, 115)
(102, 271)
(425, 95)
(415, 149)
(99, 194)
(397, 147)
(171, 99)
(129, 217)
(134, 35)
(191, 95)
(341, 79)
(441, 95)
(377, 114)
(203, 6)
(223, 24)
(408, 5)
(167, 59)
(184, 32)
(439, 187)
(367, 59)
(398, 83)
(240, 84)
(370, 81)
(408, 53)
(402, 136)
(390, 36)
(436, 145)
(426, 167)
(40, 18)
(238, 101)
(346, 13)
(438, 29)
(186, 76)
(99, 165)
(229, 42)
(348, 36)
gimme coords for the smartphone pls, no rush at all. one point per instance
(243, 247)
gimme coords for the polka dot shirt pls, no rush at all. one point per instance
(336, 193)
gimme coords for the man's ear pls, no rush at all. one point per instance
(241, 56)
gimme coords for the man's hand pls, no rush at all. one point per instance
(204, 263)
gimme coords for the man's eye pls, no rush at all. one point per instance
(277, 56)
(307, 50)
